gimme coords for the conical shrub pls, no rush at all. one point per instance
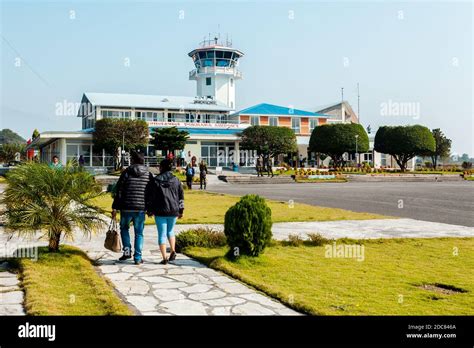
(248, 226)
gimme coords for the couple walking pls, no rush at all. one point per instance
(138, 192)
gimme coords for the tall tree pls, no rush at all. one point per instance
(169, 139)
(109, 134)
(269, 141)
(35, 134)
(442, 146)
(334, 140)
(404, 142)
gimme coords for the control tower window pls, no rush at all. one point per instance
(208, 81)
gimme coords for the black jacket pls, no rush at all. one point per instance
(166, 196)
(131, 188)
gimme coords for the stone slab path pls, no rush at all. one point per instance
(11, 296)
(185, 287)
(357, 229)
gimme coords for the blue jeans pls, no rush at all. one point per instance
(165, 225)
(138, 218)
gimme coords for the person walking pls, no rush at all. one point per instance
(166, 203)
(202, 174)
(190, 175)
(81, 161)
(130, 198)
(182, 158)
(268, 166)
(260, 166)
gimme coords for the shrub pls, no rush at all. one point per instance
(248, 226)
(317, 239)
(294, 240)
(200, 237)
(466, 165)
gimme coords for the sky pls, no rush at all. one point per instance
(412, 60)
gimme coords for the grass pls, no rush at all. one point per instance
(66, 283)
(209, 208)
(2, 179)
(470, 178)
(388, 282)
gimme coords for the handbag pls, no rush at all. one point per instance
(112, 238)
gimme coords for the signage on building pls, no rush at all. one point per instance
(195, 125)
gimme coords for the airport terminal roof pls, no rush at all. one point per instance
(271, 109)
(153, 102)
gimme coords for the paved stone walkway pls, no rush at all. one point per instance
(357, 229)
(185, 287)
(11, 296)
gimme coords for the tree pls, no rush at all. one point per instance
(269, 141)
(336, 139)
(442, 147)
(404, 142)
(54, 201)
(9, 151)
(35, 134)
(110, 133)
(7, 136)
(169, 139)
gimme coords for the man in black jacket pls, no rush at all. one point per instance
(166, 202)
(131, 189)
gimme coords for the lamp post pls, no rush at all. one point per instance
(357, 154)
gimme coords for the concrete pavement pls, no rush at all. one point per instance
(444, 202)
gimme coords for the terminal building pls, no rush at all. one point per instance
(209, 117)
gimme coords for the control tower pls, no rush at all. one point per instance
(215, 70)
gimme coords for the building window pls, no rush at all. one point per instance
(149, 116)
(208, 81)
(255, 120)
(313, 123)
(296, 124)
(116, 114)
(273, 121)
(231, 82)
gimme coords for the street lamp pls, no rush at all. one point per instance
(357, 155)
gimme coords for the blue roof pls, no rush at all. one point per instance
(270, 109)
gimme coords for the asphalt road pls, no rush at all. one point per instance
(447, 202)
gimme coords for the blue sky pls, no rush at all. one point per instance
(296, 53)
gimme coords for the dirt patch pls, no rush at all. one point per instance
(443, 288)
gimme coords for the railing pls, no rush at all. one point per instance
(215, 69)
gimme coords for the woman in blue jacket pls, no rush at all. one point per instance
(166, 202)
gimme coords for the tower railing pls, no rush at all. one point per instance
(215, 69)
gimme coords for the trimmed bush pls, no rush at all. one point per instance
(200, 237)
(248, 226)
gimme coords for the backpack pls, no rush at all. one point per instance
(189, 171)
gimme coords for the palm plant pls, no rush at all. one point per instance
(53, 201)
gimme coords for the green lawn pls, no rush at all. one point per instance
(470, 178)
(388, 282)
(66, 283)
(210, 208)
